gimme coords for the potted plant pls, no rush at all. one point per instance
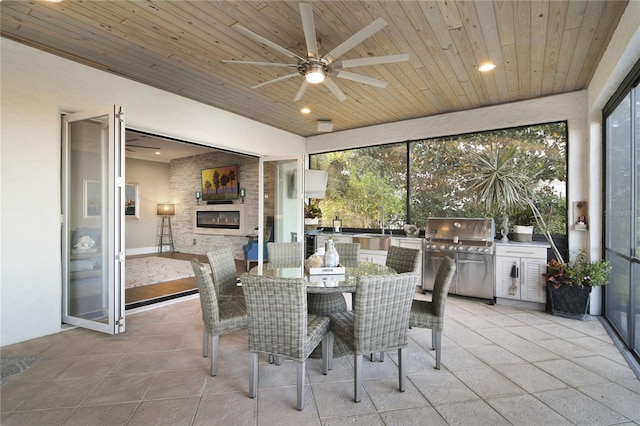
(569, 285)
(312, 214)
(523, 223)
(502, 186)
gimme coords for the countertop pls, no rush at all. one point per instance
(396, 234)
(523, 243)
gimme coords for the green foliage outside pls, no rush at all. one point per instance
(364, 182)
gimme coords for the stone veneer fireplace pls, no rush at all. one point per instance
(220, 219)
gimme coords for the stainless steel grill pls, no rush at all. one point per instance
(469, 241)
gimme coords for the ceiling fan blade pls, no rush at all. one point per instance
(356, 39)
(306, 13)
(140, 146)
(334, 89)
(267, 64)
(374, 60)
(284, 77)
(303, 88)
(263, 40)
(360, 78)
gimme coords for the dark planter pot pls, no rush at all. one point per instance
(569, 301)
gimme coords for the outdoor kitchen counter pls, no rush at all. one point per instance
(519, 268)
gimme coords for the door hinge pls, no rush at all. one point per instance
(120, 181)
(121, 257)
(120, 324)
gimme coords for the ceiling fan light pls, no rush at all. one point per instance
(315, 74)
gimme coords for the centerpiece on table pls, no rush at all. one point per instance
(312, 215)
(569, 284)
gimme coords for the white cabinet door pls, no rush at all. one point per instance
(533, 283)
(507, 286)
(322, 239)
(373, 256)
(531, 263)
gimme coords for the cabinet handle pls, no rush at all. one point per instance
(514, 271)
(510, 252)
(469, 261)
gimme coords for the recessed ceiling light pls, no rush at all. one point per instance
(305, 110)
(486, 67)
(158, 153)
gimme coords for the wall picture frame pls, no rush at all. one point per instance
(220, 184)
(92, 199)
(131, 201)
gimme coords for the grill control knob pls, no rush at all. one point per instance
(470, 249)
(433, 246)
(460, 248)
(442, 247)
(452, 248)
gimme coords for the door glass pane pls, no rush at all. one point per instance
(618, 179)
(617, 295)
(637, 182)
(282, 215)
(93, 214)
(87, 212)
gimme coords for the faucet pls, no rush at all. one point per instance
(382, 219)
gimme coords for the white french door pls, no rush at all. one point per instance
(281, 202)
(93, 194)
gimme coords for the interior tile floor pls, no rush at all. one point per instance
(500, 365)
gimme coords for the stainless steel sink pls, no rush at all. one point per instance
(372, 241)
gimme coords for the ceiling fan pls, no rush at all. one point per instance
(316, 69)
(129, 147)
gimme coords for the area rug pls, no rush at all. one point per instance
(155, 269)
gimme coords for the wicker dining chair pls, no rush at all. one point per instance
(403, 259)
(379, 321)
(223, 273)
(284, 255)
(280, 326)
(219, 318)
(348, 253)
(425, 314)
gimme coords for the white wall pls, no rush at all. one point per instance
(36, 89)
(152, 178)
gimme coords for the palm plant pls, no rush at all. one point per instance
(502, 185)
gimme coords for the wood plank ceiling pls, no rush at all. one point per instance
(540, 48)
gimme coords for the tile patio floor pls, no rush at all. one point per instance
(501, 365)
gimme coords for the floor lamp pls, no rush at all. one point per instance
(166, 235)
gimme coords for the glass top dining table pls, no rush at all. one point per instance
(328, 283)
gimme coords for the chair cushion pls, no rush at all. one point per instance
(233, 293)
(317, 327)
(342, 326)
(232, 314)
(423, 316)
